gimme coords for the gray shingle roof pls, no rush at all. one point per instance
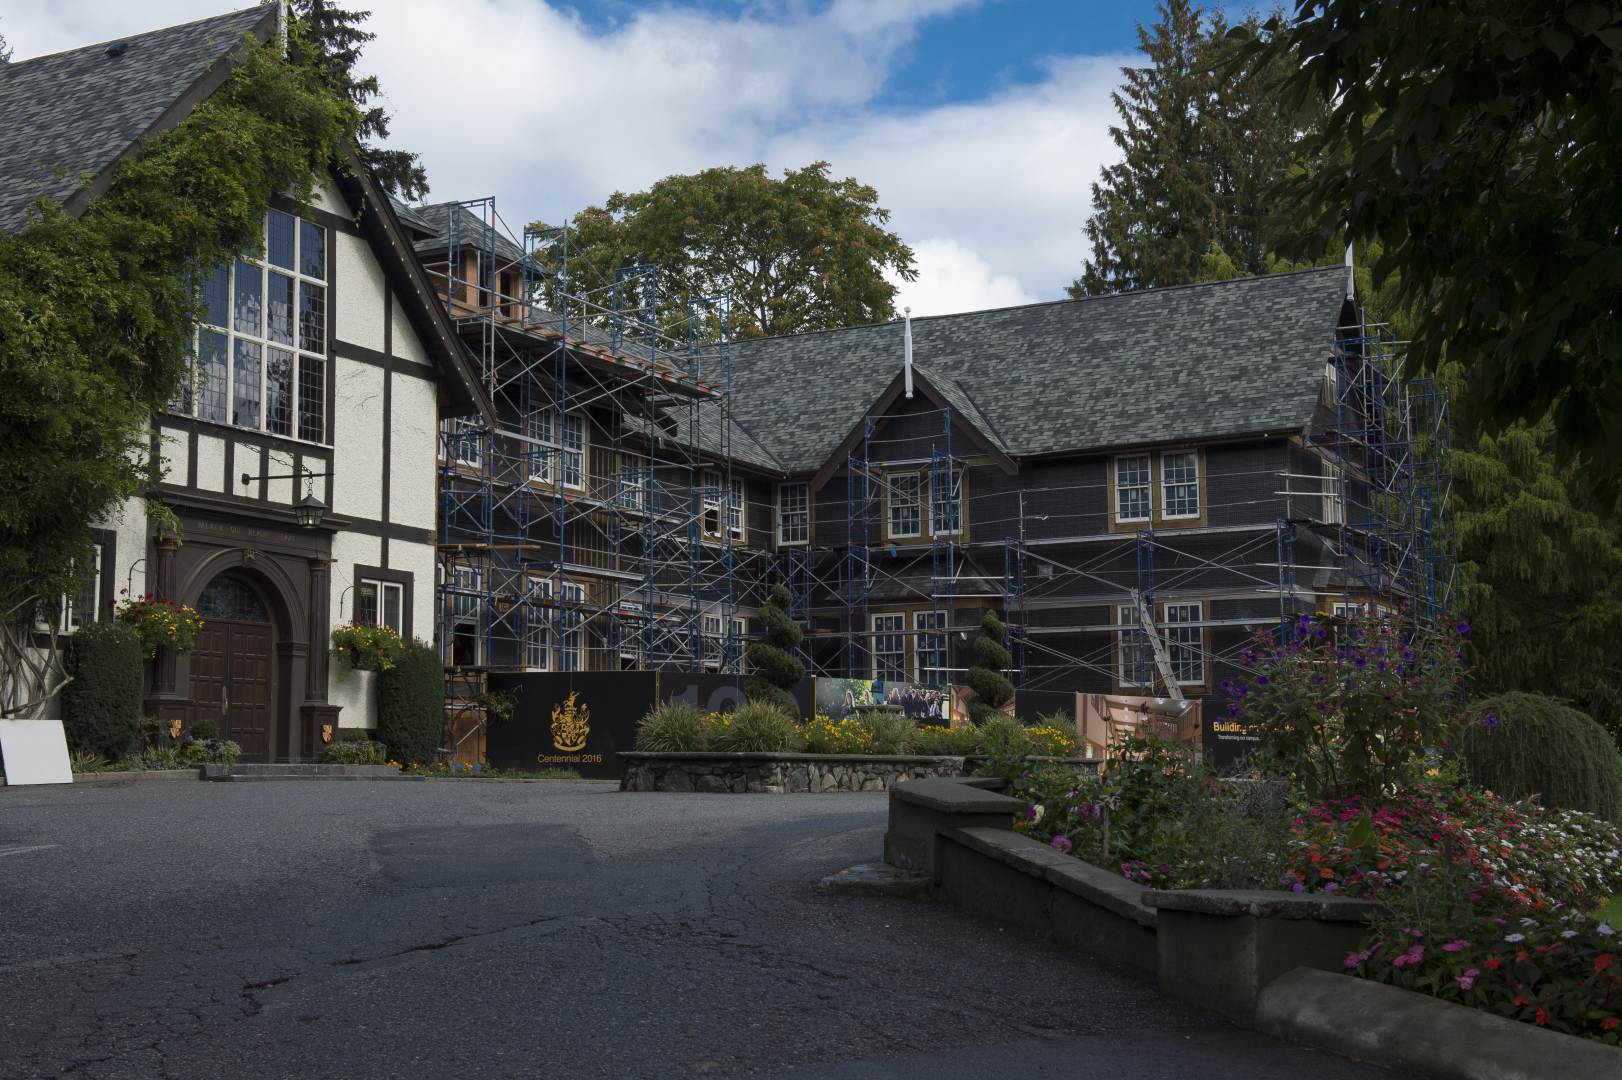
(68, 115)
(1198, 361)
(472, 231)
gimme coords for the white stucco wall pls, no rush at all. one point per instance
(173, 456)
(413, 441)
(418, 560)
(406, 345)
(360, 293)
(210, 463)
(357, 425)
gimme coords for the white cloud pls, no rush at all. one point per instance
(521, 99)
(954, 278)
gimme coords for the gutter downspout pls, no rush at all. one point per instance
(906, 353)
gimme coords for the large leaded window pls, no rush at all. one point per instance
(931, 646)
(1185, 642)
(1134, 657)
(261, 349)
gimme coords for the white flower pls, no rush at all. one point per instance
(1514, 937)
(1568, 933)
(1605, 929)
(1528, 922)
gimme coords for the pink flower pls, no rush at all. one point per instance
(1468, 979)
(1456, 946)
(1062, 844)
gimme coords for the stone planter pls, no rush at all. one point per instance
(777, 774)
(355, 692)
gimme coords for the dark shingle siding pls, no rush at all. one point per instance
(66, 116)
(1196, 362)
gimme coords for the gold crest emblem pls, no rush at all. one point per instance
(571, 723)
(326, 733)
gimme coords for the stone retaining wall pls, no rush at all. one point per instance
(778, 774)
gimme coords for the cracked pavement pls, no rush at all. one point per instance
(299, 929)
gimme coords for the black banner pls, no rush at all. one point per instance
(581, 720)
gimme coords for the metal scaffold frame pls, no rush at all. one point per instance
(599, 525)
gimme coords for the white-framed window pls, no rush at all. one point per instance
(736, 504)
(1185, 641)
(1334, 494)
(902, 515)
(945, 502)
(1180, 484)
(1132, 487)
(557, 454)
(710, 502)
(632, 492)
(75, 609)
(463, 594)
(572, 645)
(260, 355)
(1134, 657)
(466, 589)
(793, 514)
(711, 629)
(461, 440)
(890, 646)
(930, 647)
(538, 626)
(380, 603)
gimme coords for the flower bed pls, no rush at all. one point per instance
(778, 774)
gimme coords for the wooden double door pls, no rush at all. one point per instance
(232, 683)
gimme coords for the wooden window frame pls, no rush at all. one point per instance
(778, 514)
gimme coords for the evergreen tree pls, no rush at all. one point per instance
(774, 669)
(338, 39)
(1203, 139)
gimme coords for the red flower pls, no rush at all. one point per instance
(1493, 963)
(1603, 961)
(1610, 1023)
(1542, 1018)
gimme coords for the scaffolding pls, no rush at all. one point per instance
(599, 525)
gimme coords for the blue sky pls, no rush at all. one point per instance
(982, 123)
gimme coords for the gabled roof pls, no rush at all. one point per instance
(76, 115)
(1193, 362)
(73, 115)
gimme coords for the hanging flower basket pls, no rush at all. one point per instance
(366, 648)
(161, 623)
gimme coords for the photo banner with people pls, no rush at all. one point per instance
(924, 703)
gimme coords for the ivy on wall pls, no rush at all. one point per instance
(97, 314)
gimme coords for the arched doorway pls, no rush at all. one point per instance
(232, 664)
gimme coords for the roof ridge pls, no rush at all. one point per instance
(1338, 267)
(18, 64)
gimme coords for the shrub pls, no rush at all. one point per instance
(1005, 745)
(991, 687)
(825, 735)
(887, 732)
(411, 705)
(196, 752)
(758, 727)
(946, 741)
(101, 707)
(1054, 737)
(1350, 710)
(774, 670)
(353, 750)
(674, 727)
(205, 728)
(1527, 744)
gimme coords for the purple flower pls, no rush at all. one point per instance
(1061, 844)
(1261, 680)
(1463, 628)
(1490, 720)
(1360, 662)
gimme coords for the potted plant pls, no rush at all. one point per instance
(364, 650)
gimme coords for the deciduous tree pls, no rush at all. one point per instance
(804, 252)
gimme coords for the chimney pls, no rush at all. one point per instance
(906, 353)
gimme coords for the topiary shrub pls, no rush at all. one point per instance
(674, 727)
(758, 727)
(1527, 744)
(991, 687)
(411, 705)
(774, 670)
(205, 728)
(101, 707)
(354, 746)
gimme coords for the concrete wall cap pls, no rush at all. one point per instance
(1416, 1033)
(1112, 892)
(950, 797)
(1261, 903)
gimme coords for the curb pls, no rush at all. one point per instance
(1401, 1029)
(114, 779)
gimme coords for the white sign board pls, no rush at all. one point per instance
(34, 752)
